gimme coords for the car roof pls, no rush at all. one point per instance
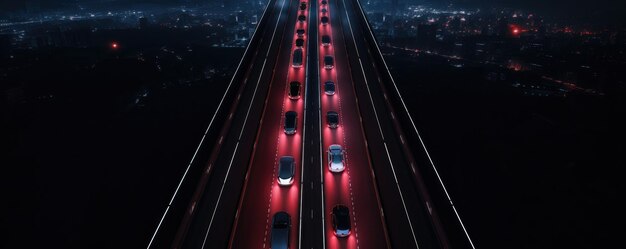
(281, 218)
(285, 169)
(342, 214)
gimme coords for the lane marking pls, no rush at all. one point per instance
(319, 120)
(243, 127)
(263, 16)
(416, 131)
(306, 94)
(380, 128)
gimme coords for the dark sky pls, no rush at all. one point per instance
(587, 10)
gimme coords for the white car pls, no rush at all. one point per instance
(335, 158)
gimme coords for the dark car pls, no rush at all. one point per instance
(341, 220)
(324, 20)
(329, 88)
(299, 42)
(286, 170)
(325, 40)
(301, 18)
(329, 62)
(294, 90)
(300, 32)
(291, 122)
(324, 2)
(324, 10)
(297, 58)
(302, 5)
(332, 118)
(281, 224)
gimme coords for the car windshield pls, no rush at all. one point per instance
(281, 220)
(332, 117)
(294, 88)
(337, 156)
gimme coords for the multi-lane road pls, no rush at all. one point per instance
(378, 174)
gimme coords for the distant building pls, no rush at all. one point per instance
(426, 34)
(5, 44)
(79, 37)
(143, 22)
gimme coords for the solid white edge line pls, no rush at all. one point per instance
(319, 115)
(220, 196)
(380, 128)
(306, 94)
(244, 125)
(208, 128)
(401, 196)
(417, 132)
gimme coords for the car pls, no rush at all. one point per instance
(301, 18)
(325, 40)
(297, 58)
(332, 118)
(300, 32)
(324, 10)
(329, 88)
(286, 170)
(324, 20)
(302, 5)
(299, 42)
(281, 224)
(329, 62)
(335, 158)
(324, 2)
(291, 120)
(294, 90)
(340, 221)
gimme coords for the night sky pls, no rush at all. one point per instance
(554, 6)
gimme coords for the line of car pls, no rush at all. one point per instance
(340, 214)
(281, 220)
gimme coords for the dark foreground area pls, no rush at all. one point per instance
(524, 171)
(95, 145)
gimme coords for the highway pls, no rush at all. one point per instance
(211, 213)
(420, 214)
(262, 196)
(388, 181)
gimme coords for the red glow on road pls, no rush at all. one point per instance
(263, 198)
(114, 45)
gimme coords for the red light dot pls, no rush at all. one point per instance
(114, 45)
